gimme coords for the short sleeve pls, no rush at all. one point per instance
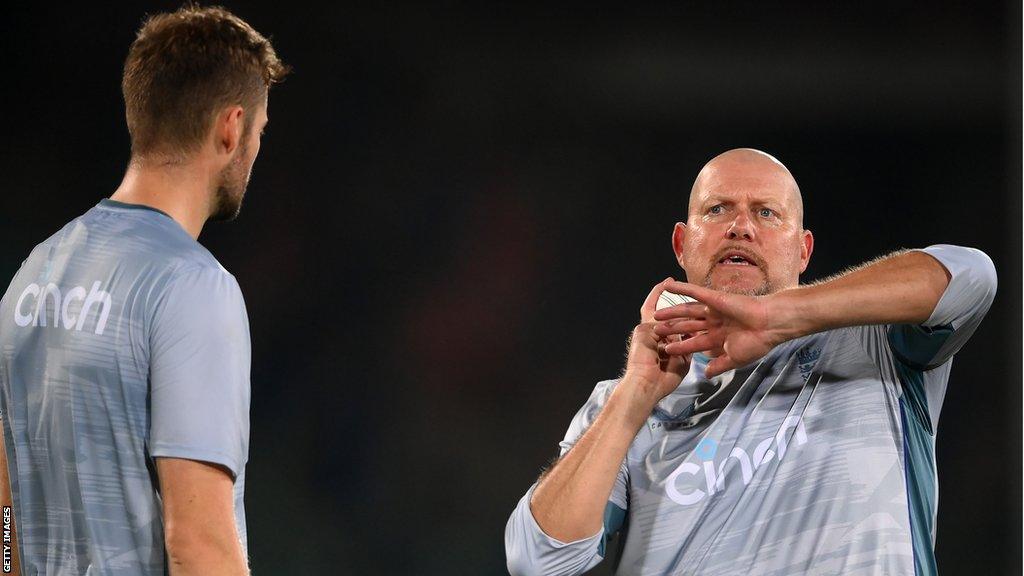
(966, 300)
(199, 371)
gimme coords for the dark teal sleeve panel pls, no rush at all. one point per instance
(919, 469)
(917, 346)
(966, 300)
(614, 518)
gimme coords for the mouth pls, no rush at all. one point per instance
(733, 258)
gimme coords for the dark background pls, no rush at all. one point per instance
(458, 209)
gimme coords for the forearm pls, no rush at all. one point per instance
(900, 289)
(198, 554)
(200, 534)
(569, 501)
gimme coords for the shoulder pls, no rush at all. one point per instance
(965, 254)
(603, 389)
(203, 284)
(147, 235)
(196, 262)
(189, 283)
(203, 301)
(592, 407)
(969, 267)
(182, 257)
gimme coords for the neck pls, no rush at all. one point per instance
(180, 190)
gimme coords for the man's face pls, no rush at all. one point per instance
(234, 178)
(744, 233)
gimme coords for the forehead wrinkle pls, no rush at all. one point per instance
(792, 199)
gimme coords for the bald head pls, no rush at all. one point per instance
(747, 167)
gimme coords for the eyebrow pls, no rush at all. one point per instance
(714, 200)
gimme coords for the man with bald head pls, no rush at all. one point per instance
(768, 428)
(765, 186)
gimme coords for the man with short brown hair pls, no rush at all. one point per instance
(124, 344)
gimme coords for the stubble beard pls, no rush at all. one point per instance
(763, 289)
(231, 185)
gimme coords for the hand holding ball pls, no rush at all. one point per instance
(668, 299)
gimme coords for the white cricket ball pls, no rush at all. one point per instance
(671, 299)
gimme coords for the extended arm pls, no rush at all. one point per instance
(199, 519)
(903, 288)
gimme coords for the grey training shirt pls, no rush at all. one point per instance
(817, 459)
(121, 340)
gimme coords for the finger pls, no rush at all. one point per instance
(644, 335)
(664, 360)
(719, 365)
(689, 310)
(698, 343)
(650, 305)
(685, 326)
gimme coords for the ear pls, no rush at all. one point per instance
(678, 238)
(807, 246)
(227, 130)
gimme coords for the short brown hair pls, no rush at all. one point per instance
(184, 67)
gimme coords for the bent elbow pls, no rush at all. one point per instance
(518, 559)
(547, 561)
(520, 565)
(531, 552)
(980, 278)
(985, 276)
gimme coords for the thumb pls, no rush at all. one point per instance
(680, 365)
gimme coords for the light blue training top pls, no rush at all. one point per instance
(121, 340)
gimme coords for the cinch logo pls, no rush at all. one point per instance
(714, 480)
(36, 298)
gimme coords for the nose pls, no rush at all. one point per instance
(741, 228)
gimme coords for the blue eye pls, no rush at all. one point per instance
(716, 209)
(766, 213)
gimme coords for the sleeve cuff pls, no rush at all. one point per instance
(234, 465)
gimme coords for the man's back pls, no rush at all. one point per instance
(121, 340)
